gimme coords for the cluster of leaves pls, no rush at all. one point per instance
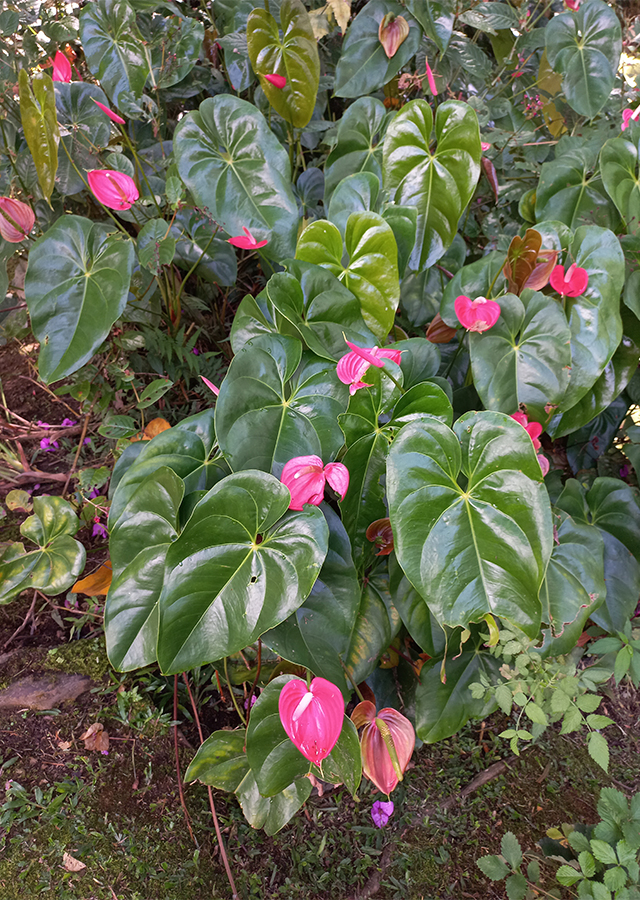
(601, 861)
(545, 690)
(370, 219)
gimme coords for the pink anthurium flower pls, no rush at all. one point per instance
(113, 189)
(484, 146)
(246, 241)
(16, 220)
(305, 477)
(572, 284)
(393, 31)
(312, 716)
(533, 429)
(278, 81)
(387, 743)
(210, 385)
(477, 315)
(430, 79)
(629, 116)
(105, 109)
(352, 367)
(61, 67)
(573, 4)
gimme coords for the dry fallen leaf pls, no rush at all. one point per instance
(71, 864)
(95, 584)
(65, 745)
(342, 11)
(152, 428)
(95, 737)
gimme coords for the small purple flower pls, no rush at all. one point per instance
(253, 700)
(624, 471)
(94, 493)
(196, 351)
(43, 424)
(48, 444)
(98, 529)
(86, 441)
(68, 423)
(381, 812)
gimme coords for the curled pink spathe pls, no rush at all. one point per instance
(113, 189)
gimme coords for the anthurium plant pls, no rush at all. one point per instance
(418, 441)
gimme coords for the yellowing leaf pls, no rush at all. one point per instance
(551, 83)
(341, 9)
(154, 427)
(319, 22)
(95, 584)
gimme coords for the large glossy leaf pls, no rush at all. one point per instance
(371, 273)
(358, 146)
(619, 165)
(176, 42)
(113, 47)
(138, 544)
(186, 449)
(414, 612)
(594, 317)
(615, 377)
(221, 761)
(57, 562)
(439, 183)
(236, 168)
(323, 319)
(473, 549)
(584, 46)
(40, 124)
(612, 507)
(76, 286)
(271, 813)
(87, 129)
(272, 407)
(363, 66)
(368, 444)
(294, 54)
(376, 625)
(355, 193)
(318, 633)
(524, 359)
(442, 709)
(436, 18)
(569, 191)
(403, 221)
(575, 576)
(241, 565)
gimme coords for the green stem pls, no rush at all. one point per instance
(395, 380)
(140, 167)
(493, 283)
(196, 264)
(454, 357)
(233, 698)
(351, 679)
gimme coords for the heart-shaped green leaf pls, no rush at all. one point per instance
(358, 145)
(241, 565)
(524, 358)
(442, 709)
(236, 168)
(176, 43)
(221, 761)
(317, 634)
(324, 315)
(585, 46)
(436, 18)
(476, 547)
(363, 66)
(40, 124)
(619, 165)
(272, 407)
(438, 184)
(113, 47)
(569, 190)
(138, 544)
(76, 286)
(156, 245)
(376, 625)
(198, 241)
(294, 55)
(355, 193)
(57, 562)
(371, 273)
(594, 317)
(271, 813)
(87, 129)
(414, 612)
(186, 449)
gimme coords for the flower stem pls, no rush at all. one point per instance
(233, 699)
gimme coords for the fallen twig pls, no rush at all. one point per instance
(25, 621)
